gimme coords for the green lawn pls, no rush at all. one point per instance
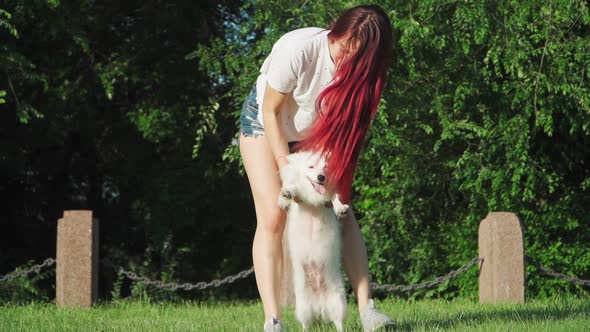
(549, 315)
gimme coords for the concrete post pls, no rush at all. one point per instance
(501, 277)
(76, 274)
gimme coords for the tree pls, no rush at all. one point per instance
(118, 106)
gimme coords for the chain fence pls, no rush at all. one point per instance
(558, 275)
(230, 279)
(21, 273)
(172, 286)
(428, 284)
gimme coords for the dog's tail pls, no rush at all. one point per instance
(287, 291)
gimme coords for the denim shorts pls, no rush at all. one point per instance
(249, 124)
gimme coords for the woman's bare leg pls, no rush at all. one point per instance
(267, 252)
(356, 262)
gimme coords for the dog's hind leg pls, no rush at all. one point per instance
(303, 311)
(336, 307)
(303, 305)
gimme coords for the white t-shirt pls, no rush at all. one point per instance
(300, 65)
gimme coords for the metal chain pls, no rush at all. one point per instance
(186, 286)
(243, 274)
(428, 284)
(230, 279)
(23, 273)
(559, 275)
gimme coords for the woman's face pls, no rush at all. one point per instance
(341, 48)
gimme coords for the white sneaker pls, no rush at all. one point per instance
(273, 325)
(372, 319)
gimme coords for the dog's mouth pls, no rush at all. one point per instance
(320, 188)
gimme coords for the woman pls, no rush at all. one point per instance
(331, 79)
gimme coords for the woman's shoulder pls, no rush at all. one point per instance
(302, 36)
(293, 55)
(304, 32)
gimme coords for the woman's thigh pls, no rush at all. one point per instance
(265, 183)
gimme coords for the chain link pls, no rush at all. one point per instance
(172, 286)
(23, 273)
(555, 274)
(428, 284)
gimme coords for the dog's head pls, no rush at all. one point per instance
(306, 171)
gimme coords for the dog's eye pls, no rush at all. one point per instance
(310, 166)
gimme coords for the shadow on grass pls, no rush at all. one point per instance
(515, 314)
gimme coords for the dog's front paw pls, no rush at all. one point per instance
(287, 194)
(284, 203)
(285, 199)
(341, 210)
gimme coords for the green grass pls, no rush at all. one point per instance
(548, 315)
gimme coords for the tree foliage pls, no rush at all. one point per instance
(486, 110)
(131, 109)
(102, 114)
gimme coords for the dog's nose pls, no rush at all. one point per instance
(321, 177)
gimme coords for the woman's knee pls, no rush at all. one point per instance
(272, 221)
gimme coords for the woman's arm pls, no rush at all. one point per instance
(271, 106)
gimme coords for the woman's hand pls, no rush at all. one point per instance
(281, 161)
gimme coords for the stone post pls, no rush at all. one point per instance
(76, 277)
(501, 276)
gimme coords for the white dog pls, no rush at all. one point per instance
(313, 239)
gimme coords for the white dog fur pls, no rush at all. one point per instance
(312, 240)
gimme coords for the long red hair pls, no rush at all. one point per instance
(348, 105)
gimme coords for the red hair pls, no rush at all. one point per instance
(348, 105)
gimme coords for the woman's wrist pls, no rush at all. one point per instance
(281, 160)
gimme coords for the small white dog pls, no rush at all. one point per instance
(313, 239)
